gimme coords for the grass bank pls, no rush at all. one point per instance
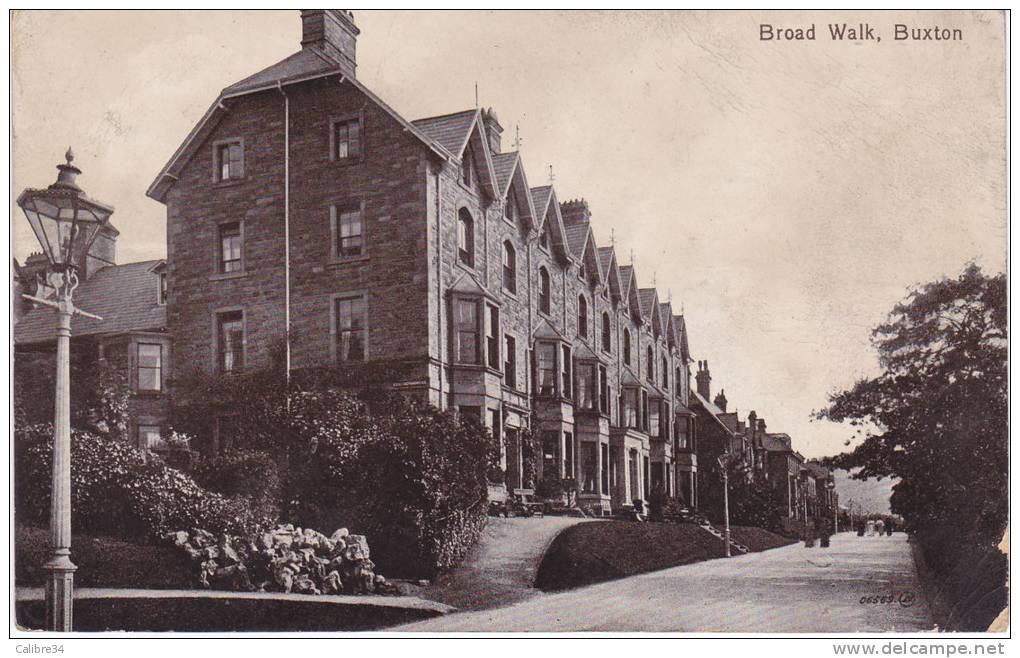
(596, 552)
(103, 562)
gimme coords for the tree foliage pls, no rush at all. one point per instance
(936, 417)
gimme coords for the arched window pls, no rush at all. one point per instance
(582, 316)
(679, 380)
(665, 373)
(607, 331)
(509, 267)
(626, 346)
(466, 238)
(543, 237)
(544, 302)
(649, 364)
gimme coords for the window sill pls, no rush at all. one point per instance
(511, 295)
(221, 276)
(339, 262)
(148, 395)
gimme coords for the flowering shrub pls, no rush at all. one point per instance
(116, 489)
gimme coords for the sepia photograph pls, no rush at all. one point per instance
(531, 323)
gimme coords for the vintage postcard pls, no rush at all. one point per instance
(433, 322)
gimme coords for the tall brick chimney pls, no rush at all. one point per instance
(103, 251)
(333, 33)
(704, 380)
(720, 399)
(493, 129)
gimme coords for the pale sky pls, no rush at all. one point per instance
(786, 194)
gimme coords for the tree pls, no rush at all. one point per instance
(936, 417)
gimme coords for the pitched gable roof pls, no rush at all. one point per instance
(611, 271)
(548, 210)
(629, 279)
(666, 318)
(713, 411)
(577, 235)
(451, 131)
(125, 296)
(777, 442)
(508, 169)
(304, 65)
(681, 328)
(649, 300)
(504, 164)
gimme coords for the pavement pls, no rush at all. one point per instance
(334, 600)
(500, 570)
(860, 584)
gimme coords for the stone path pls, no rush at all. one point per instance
(500, 569)
(785, 590)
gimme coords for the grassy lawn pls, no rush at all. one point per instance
(104, 562)
(595, 552)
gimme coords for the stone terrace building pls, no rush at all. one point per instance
(303, 209)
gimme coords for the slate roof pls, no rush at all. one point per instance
(606, 255)
(305, 63)
(576, 235)
(647, 298)
(125, 296)
(712, 410)
(451, 131)
(503, 166)
(540, 197)
(626, 276)
(777, 442)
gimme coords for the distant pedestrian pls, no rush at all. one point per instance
(889, 528)
(880, 527)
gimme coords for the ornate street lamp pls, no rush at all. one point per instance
(65, 222)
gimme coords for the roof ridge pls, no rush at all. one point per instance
(444, 116)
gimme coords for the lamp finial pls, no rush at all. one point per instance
(69, 156)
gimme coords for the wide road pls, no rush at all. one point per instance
(860, 584)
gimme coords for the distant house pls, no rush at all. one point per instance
(131, 299)
(784, 466)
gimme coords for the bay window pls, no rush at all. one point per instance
(466, 322)
(546, 375)
(586, 382)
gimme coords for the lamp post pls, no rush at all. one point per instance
(835, 508)
(724, 466)
(65, 222)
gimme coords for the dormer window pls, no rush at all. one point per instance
(510, 206)
(467, 166)
(582, 273)
(649, 364)
(626, 346)
(543, 238)
(465, 238)
(665, 374)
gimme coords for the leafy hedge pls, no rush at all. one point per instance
(414, 480)
(253, 474)
(119, 490)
